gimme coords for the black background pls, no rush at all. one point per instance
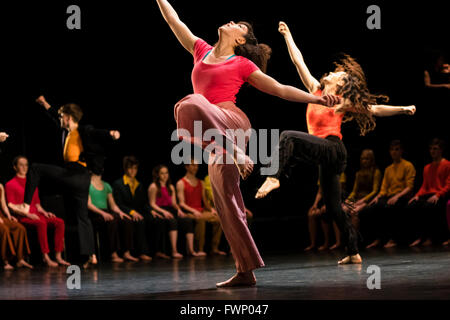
(126, 70)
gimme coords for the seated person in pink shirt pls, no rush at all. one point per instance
(428, 205)
(38, 217)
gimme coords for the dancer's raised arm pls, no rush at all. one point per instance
(308, 80)
(267, 84)
(379, 110)
(181, 31)
(387, 111)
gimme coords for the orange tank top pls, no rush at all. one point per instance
(322, 121)
(73, 148)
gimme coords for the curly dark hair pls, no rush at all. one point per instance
(355, 89)
(258, 53)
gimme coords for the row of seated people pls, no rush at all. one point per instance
(384, 208)
(129, 219)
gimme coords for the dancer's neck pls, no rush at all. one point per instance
(223, 48)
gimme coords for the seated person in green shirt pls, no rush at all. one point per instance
(108, 219)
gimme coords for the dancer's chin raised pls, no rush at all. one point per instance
(268, 185)
(240, 279)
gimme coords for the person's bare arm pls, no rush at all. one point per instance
(428, 84)
(308, 80)
(181, 31)
(115, 208)
(269, 85)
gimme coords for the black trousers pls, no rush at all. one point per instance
(383, 221)
(74, 180)
(428, 219)
(330, 154)
(183, 225)
(115, 234)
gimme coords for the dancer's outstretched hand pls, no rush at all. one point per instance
(328, 100)
(283, 28)
(3, 136)
(115, 134)
(410, 110)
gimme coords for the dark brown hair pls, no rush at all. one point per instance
(438, 142)
(16, 160)
(129, 161)
(155, 175)
(72, 110)
(258, 53)
(355, 89)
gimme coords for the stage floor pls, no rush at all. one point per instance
(405, 274)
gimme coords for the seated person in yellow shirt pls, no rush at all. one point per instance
(385, 211)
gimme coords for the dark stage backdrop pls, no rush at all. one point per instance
(127, 70)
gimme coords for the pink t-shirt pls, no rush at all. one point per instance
(165, 200)
(219, 82)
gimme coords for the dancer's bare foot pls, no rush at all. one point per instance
(244, 164)
(374, 244)
(161, 255)
(145, 257)
(49, 262)
(390, 244)
(198, 254)
(218, 252)
(115, 258)
(415, 243)
(23, 264)
(446, 243)
(355, 259)
(268, 185)
(240, 279)
(427, 243)
(60, 260)
(335, 246)
(91, 262)
(176, 255)
(22, 207)
(309, 248)
(323, 247)
(7, 266)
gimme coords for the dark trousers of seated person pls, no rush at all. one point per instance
(428, 219)
(115, 234)
(385, 222)
(150, 234)
(183, 225)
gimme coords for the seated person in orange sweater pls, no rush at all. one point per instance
(428, 205)
(386, 210)
(192, 198)
(38, 217)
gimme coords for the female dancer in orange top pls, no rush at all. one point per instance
(323, 145)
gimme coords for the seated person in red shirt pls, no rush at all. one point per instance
(428, 205)
(38, 217)
(192, 197)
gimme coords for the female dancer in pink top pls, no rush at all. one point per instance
(217, 76)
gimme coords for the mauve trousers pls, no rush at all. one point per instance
(225, 178)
